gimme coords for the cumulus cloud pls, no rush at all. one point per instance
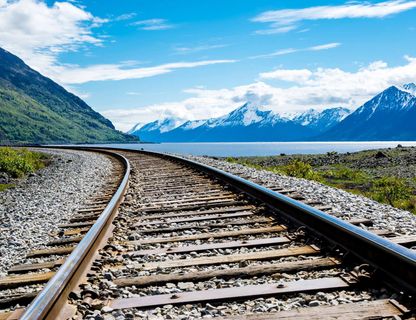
(287, 19)
(38, 33)
(318, 88)
(298, 75)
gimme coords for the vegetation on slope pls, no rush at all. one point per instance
(16, 163)
(387, 176)
(34, 109)
(24, 120)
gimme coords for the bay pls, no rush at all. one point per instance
(238, 149)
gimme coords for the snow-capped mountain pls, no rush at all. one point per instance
(246, 115)
(321, 120)
(153, 130)
(163, 125)
(409, 87)
(135, 128)
(192, 124)
(390, 115)
(246, 123)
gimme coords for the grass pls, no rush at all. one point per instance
(5, 186)
(17, 163)
(395, 191)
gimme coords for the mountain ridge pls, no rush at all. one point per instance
(246, 123)
(35, 109)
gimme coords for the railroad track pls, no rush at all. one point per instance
(190, 241)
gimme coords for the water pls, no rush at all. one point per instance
(235, 149)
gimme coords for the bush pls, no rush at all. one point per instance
(300, 169)
(391, 190)
(18, 162)
(345, 173)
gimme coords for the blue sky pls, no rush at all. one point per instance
(137, 61)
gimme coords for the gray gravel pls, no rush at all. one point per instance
(33, 209)
(345, 205)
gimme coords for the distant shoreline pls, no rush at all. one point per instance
(238, 149)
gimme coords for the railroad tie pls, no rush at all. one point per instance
(378, 309)
(233, 293)
(220, 259)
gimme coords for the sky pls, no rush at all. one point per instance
(136, 61)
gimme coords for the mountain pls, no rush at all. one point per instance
(34, 109)
(136, 127)
(154, 130)
(321, 121)
(390, 115)
(409, 87)
(244, 124)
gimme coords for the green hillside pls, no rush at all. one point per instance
(34, 109)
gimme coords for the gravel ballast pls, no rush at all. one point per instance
(345, 205)
(38, 203)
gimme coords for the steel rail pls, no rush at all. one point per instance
(396, 263)
(44, 302)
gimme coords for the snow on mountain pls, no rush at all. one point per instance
(246, 115)
(136, 127)
(191, 124)
(409, 87)
(161, 126)
(322, 120)
(306, 117)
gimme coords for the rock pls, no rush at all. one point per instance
(107, 309)
(244, 263)
(186, 285)
(380, 155)
(108, 276)
(4, 178)
(314, 303)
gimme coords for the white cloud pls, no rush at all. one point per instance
(153, 24)
(186, 50)
(37, 32)
(125, 16)
(276, 30)
(286, 51)
(324, 46)
(78, 75)
(299, 75)
(287, 19)
(319, 88)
